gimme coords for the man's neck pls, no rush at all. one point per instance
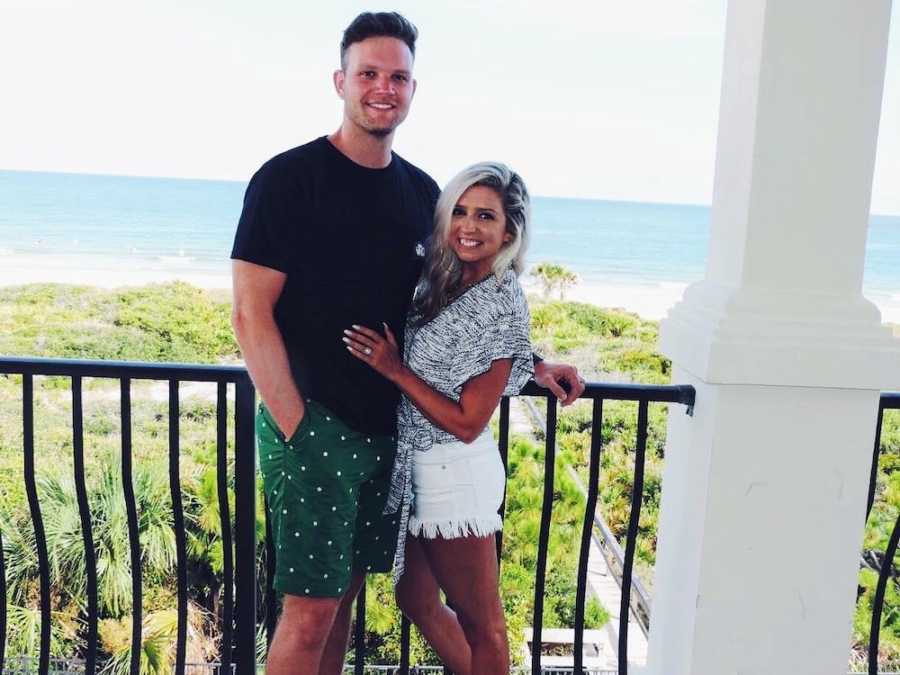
(373, 152)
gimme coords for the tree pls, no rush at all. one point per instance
(554, 277)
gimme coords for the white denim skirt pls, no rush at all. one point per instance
(457, 489)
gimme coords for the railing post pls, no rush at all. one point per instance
(245, 529)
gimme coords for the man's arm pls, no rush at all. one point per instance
(256, 289)
(551, 375)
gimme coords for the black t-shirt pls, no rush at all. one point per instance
(351, 241)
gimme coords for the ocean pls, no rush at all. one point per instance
(116, 230)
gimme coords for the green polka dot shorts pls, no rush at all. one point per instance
(326, 488)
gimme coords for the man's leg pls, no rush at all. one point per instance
(301, 635)
(418, 597)
(336, 647)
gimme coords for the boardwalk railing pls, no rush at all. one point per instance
(888, 401)
(239, 616)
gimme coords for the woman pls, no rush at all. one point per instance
(466, 345)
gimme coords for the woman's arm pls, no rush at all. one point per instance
(465, 419)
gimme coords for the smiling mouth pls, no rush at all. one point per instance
(381, 106)
(469, 243)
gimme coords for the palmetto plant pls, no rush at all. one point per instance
(68, 571)
(158, 630)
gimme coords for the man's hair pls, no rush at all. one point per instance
(379, 24)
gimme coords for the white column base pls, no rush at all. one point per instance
(773, 336)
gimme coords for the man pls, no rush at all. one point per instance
(332, 234)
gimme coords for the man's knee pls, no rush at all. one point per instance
(306, 622)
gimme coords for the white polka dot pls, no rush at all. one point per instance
(334, 508)
(378, 459)
(354, 455)
(329, 542)
(325, 576)
(339, 473)
(264, 424)
(368, 440)
(325, 454)
(327, 418)
(284, 511)
(339, 589)
(289, 476)
(315, 523)
(343, 438)
(342, 556)
(296, 534)
(310, 556)
(303, 468)
(378, 495)
(345, 523)
(376, 538)
(312, 433)
(282, 473)
(302, 499)
(274, 492)
(307, 591)
(270, 456)
(368, 523)
(368, 567)
(292, 570)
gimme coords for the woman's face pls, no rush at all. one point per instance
(478, 228)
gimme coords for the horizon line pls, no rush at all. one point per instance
(101, 174)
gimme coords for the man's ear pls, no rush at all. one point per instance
(414, 84)
(338, 79)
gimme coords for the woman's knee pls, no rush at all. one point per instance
(418, 606)
(484, 629)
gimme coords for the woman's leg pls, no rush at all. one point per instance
(418, 597)
(466, 568)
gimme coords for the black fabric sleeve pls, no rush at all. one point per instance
(273, 207)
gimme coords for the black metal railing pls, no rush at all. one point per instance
(888, 401)
(239, 608)
(239, 616)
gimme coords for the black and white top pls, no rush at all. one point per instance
(489, 321)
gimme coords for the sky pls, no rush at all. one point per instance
(595, 98)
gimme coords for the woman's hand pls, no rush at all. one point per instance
(382, 353)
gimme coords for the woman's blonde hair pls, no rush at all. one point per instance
(442, 274)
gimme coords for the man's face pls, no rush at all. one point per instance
(376, 85)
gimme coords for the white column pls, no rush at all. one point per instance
(764, 487)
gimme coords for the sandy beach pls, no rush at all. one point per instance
(651, 300)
